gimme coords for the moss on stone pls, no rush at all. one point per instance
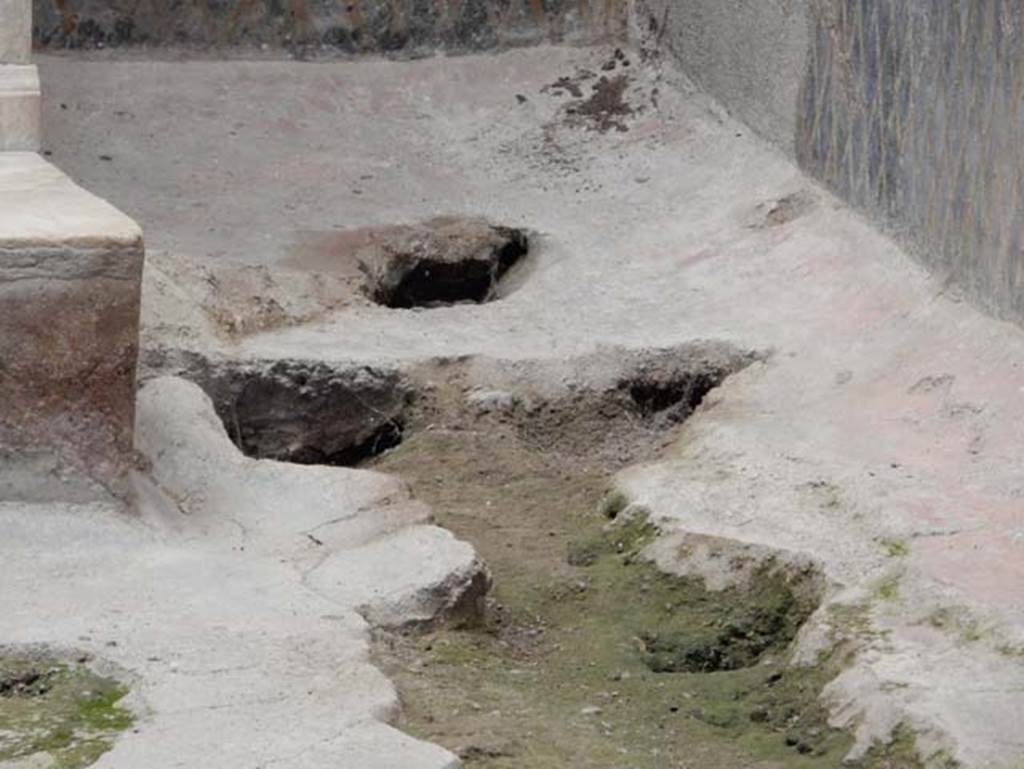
(895, 548)
(577, 661)
(657, 653)
(62, 709)
(888, 588)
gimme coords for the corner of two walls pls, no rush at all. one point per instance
(909, 111)
(749, 54)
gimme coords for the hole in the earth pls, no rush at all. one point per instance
(443, 262)
(682, 393)
(24, 683)
(686, 628)
(384, 438)
(703, 632)
(309, 413)
(628, 416)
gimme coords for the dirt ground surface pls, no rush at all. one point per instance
(562, 668)
(871, 439)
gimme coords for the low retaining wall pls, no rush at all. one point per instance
(317, 27)
(909, 110)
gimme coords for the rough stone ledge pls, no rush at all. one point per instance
(40, 206)
(19, 78)
(34, 263)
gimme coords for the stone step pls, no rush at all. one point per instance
(70, 276)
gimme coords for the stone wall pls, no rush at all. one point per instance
(319, 27)
(909, 109)
(913, 111)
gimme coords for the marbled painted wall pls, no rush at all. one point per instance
(325, 26)
(914, 111)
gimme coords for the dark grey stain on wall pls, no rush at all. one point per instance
(315, 27)
(914, 111)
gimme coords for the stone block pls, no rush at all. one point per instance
(70, 277)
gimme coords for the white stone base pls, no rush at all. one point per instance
(70, 272)
(19, 108)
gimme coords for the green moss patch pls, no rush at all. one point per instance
(702, 634)
(62, 709)
(588, 656)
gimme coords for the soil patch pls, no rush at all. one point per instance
(587, 656)
(606, 108)
(241, 299)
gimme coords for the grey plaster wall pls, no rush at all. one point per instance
(751, 54)
(323, 27)
(913, 110)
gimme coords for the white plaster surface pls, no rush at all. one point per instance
(887, 411)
